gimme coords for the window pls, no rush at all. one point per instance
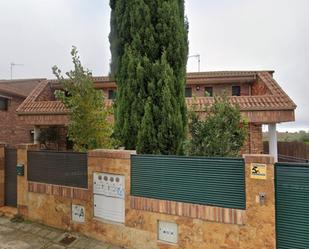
(188, 92)
(3, 104)
(208, 91)
(235, 90)
(111, 94)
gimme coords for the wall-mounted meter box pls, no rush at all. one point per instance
(109, 185)
(78, 213)
(168, 232)
(109, 196)
(20, 169)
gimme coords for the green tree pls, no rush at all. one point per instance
(88, 127)
(222, 132)
(149, 48)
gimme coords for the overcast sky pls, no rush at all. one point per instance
(228, 34)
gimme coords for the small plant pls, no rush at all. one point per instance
(222, 132)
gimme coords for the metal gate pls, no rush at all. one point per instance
(10, 177)
(292, 205)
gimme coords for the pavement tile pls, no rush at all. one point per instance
(81, 243)
(4, 230)
(16, 244)
(54, 246)
(102, 246)
(35, 236)
(4, 221)
(18, 225)
(26, 227)
(44, 232)
(38, 243)
(53, 235)
(35, 229)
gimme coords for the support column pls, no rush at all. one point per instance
(273, 141)
(36, 135)
(260, 205)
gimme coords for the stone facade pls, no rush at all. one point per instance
(218, 228)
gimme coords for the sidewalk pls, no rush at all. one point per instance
(26, 235)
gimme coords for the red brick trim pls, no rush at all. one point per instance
(117, 154)
(207, 213)
(62, 191)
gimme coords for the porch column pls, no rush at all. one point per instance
(36, 135)
(273, 141)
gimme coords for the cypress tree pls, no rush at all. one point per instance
(149, 48)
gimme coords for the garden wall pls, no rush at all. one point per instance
(199, 226)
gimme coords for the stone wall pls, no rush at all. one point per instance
(198, 226)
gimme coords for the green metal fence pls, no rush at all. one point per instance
(292, 202)
(199, 180)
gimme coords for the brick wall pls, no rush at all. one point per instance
(259, 88)
(219, 89)
(12, 128)
(254, 141)
(47, 94)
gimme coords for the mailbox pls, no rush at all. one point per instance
(109, 196)
(20, 169)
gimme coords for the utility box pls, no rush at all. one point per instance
(109, 197)
(168, 232)
(78, 213)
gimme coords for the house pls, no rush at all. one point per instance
(259, 96)
(12, 94)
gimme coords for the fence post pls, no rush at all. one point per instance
(2, 174)
(22, 181)
(259, 231)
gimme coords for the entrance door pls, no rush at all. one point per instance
(292, 205)
(10, 178)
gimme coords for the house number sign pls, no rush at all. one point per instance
(258, 171)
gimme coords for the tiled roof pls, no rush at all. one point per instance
(278, 100)
(20, 88)
(245, 103)
(216, 74)
(31, 106)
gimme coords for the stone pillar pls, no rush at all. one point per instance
(273, 141)
(2, 174)
(259, 231)
(22, 181)
(36, 135)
